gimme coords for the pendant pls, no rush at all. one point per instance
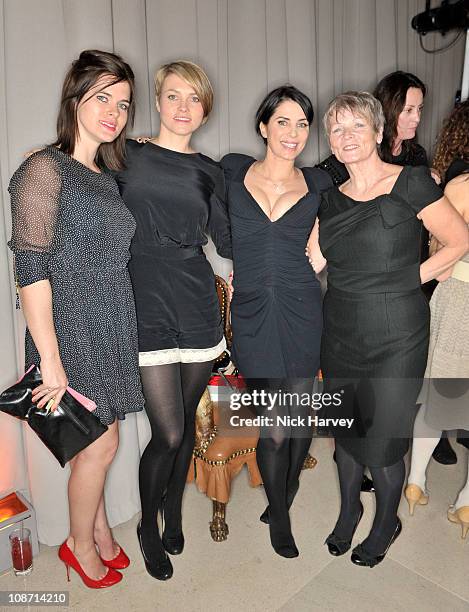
(279, 188)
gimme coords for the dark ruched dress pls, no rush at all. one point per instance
(376, 318)
(70, 226)
(176, 199)
(276, 308)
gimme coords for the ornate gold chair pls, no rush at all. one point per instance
(219, 455)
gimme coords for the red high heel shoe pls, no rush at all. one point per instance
(119, 562)
(66, 555)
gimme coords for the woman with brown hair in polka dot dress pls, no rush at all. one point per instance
(71, 236)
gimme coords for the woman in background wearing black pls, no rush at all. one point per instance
(401, 95)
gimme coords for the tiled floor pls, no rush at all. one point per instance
(426, 569)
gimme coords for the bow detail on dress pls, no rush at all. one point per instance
(394, 210)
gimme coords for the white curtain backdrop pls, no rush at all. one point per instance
(247, 47)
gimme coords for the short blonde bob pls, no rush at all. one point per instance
(359, 103)
(193, 75)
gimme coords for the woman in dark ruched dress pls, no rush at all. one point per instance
(376, 319)
(276, 307)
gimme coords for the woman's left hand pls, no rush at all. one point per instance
(445, 275)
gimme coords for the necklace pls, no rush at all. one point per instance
(278, 186)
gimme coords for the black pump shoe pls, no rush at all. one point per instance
(337, 546)
(444, 452)
(264, 517)
(361, 557)
(173, 544)
(367, 485)
(161, 570)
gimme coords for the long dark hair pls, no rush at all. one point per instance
(274, 98)
(391, 91)
(80, 78)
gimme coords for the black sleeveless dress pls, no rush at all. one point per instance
(376, 318)
(276, 309)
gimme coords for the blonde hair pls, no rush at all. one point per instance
(193, 75)
(359, 103)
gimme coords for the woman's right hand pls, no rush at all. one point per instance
(54, 383)
(230, 286)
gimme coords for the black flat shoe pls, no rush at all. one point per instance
(361, 557)
(264, 517)
(173, 544)
(367, 485)
(162, 569)
(444, 452)
(337, 546)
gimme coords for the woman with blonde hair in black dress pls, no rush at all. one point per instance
(176, 196)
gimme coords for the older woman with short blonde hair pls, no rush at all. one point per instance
(376, 318)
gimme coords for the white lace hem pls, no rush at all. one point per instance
(181, 355)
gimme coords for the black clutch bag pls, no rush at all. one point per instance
(66, 431)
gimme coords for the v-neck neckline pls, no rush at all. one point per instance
(256, 203)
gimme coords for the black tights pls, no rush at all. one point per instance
(172, 393)
(388, 482)
(281, 452)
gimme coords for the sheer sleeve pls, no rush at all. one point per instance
(35, 195)
(219, 222)
(422, 189)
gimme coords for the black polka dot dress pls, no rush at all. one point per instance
(70, 226)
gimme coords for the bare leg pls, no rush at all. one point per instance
(85, 490)
(108, 549)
